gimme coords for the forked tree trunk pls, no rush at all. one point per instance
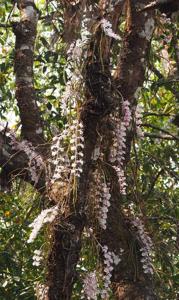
(129, 280)
(103, 94)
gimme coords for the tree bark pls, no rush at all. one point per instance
(100, 101)
(25, 32)
(15, 164)
(130, 75)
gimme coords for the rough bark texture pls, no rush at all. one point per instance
(25, 32)
(102, 95)
(132, 284)
(15, 164)
(67, 242)
(100, 102)
(72, 20)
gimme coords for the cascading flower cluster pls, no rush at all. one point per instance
(104, 204)
(74, 90)
(35, 161)
(77, 145)
(37, 258)
(67, 152)
(41, 291)
(73, 93)
(68, 159)
(90, 283)
(146, 248)
(120, 132)
(59, 156)
(100, 193)
(46, 216)
(117, 155)
(90, 286)
(138, 121)
(110, 260)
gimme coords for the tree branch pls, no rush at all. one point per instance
(4, 25)
(73, 14)
(154, 182)
(129, 76)
(163, 81)
(161, 129)
(148, 114)
(168, 6)
(162, 137)
(15, 163)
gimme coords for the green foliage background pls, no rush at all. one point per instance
(153, 170)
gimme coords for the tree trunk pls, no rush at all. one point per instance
(25, 32)
(130, 280)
